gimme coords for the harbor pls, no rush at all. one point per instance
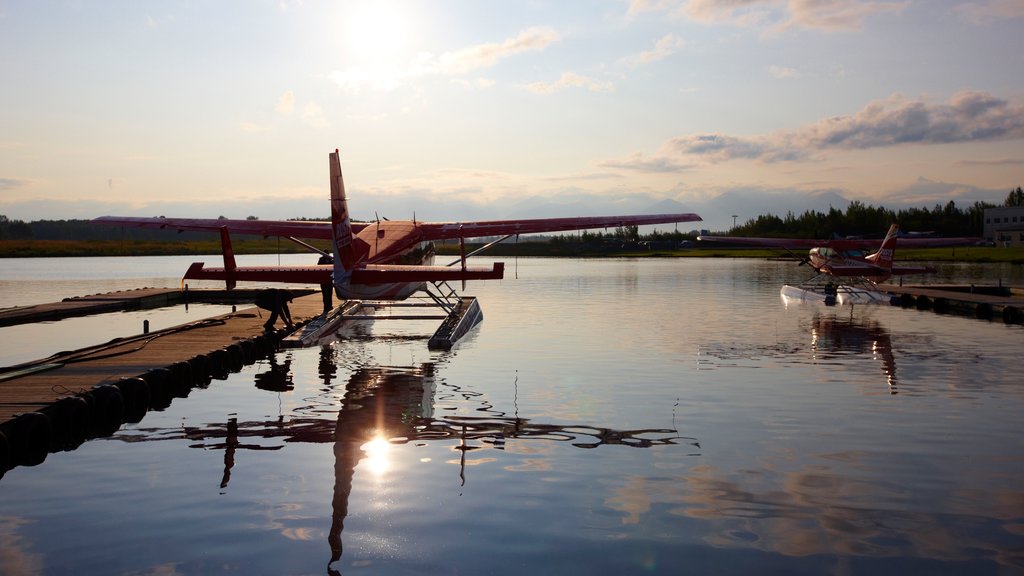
(568, 419)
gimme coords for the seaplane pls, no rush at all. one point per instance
(845, 274)
(381, 260)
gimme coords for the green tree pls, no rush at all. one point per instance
(1015, 198)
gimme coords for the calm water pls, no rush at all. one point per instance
(666, 416)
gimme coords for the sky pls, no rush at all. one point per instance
(463, 110)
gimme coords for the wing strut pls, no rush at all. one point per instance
(310, 246)
(479, 250)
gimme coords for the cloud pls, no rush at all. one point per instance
(313, 115)
(454, 63)
(783, 72)
(737, 12)
(829, 15)
(990, 11)
(665, 46)
(836, 14)
(640, 163)
(570, 80)
(286, 103)
(995, 162)
(13, 183)
(969, 116)
(487, 55)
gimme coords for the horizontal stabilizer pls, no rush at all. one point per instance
(401, 274)
(283, 274)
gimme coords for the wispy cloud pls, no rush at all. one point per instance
(570, 80)
(13, 183)
(454, 63)
(487, 55)
(968, 116)
(286, 103)
(990, 11)
(737, 12)
(995, 162)
(651, 164)
(665, 46)
(313, 115)
(783, 72)
(831, 15)
(835, 14)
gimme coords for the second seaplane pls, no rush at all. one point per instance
(385, 260)
(845, 274)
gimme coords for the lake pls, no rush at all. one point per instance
(609, 416)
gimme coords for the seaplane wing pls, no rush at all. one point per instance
(387, 259)
(455, 230)
(839, 244)
(266, 228)
(382, 240)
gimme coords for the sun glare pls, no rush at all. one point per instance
(377, 455)
(377, 30)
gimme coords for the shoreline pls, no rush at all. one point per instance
(104, 248)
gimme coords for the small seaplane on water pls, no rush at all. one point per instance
(385, 260)
(845, 275)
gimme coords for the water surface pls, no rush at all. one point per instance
(611, 416)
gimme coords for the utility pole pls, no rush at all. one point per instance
(733, 220)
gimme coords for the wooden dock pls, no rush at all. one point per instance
(138, 299)
(57, 403)
(982, 302)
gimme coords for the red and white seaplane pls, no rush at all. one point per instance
(845, 275)
(385, 260)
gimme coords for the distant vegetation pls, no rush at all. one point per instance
(862, 219)
(82, 238)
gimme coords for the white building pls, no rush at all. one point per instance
(1004, 226)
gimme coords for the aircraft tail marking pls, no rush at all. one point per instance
(883, 258)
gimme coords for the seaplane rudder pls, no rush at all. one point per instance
(345, 256)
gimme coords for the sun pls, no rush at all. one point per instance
(377, 30)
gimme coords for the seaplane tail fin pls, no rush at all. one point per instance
(345, 255)
(883, 258)
(229, 258)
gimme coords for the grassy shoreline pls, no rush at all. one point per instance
(70, 248)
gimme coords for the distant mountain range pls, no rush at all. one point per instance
(717, 211)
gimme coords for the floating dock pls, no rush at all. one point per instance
(138, 299)
(56, 403)
(982, 302)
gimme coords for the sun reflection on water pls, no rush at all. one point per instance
(377, 460)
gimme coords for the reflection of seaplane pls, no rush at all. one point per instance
(382, 260)
(844, 274)
(385, 406)
(835, 336)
